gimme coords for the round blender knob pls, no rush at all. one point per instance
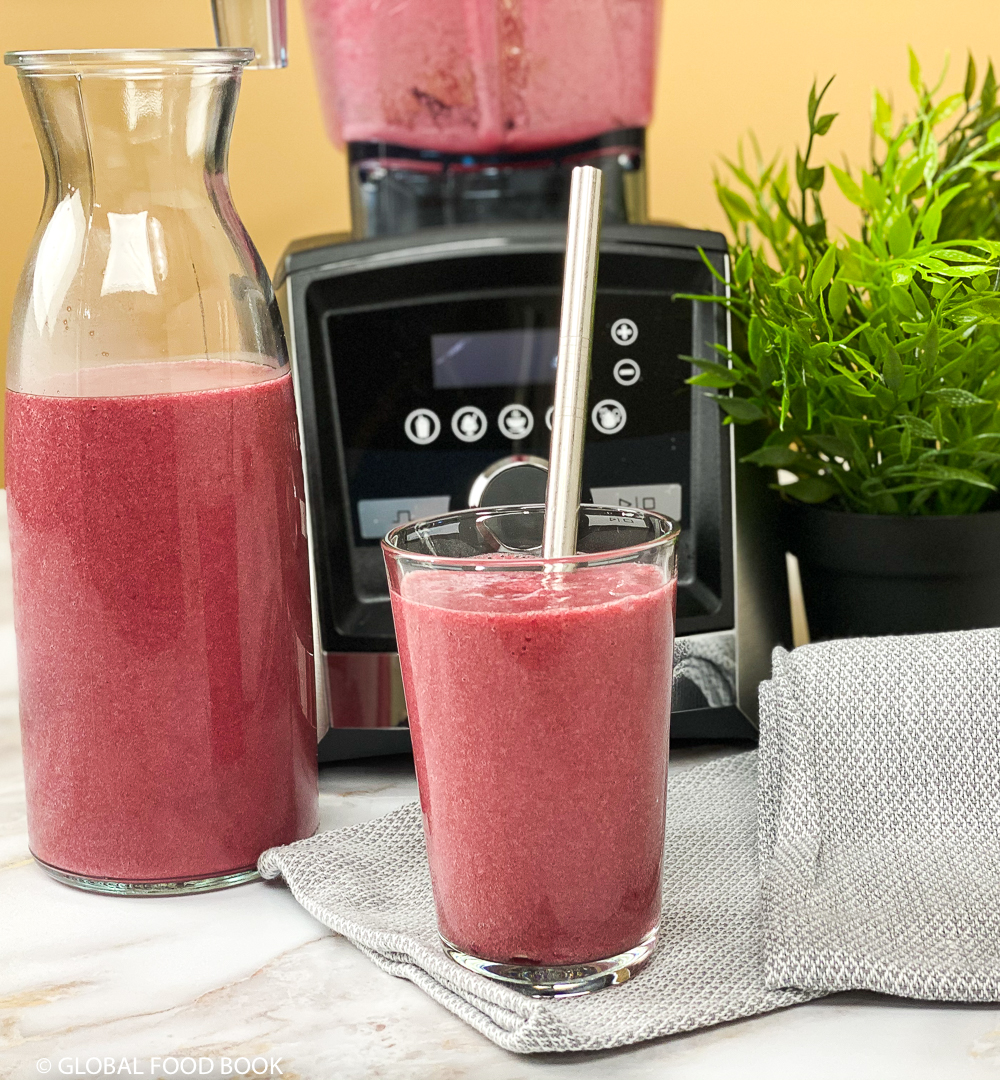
(517, 480)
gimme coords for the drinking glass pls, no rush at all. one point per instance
(538, 694)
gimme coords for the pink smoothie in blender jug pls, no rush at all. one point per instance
(483, 76)
(473, 111)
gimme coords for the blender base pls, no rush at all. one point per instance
(397, 190)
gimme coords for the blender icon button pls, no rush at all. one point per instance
(516, 421)
(469, 423)
(626, 372)
(422, 426)
(624, 331)
(608, 416)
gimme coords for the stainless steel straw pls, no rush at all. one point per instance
(576, 330)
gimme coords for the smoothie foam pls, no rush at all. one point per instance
(516, 687)
(162, 618)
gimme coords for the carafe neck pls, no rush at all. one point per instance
(114, 130)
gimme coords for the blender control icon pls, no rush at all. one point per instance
(422, 426)
(516, 421)
(608, 416)
(626, 372)
(624, 331)
(469, 423)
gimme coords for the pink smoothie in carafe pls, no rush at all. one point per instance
(540, 718)
(483, 76)
(162, 617)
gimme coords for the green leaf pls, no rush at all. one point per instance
(778, 457)
(790, 283)
(892, 371)
(901, 236)
(970, 80)
(708, 378)
(849, 385)
(931, 222)
(915, 73)
(756, 341)
(712, 366)
(902, 301)
(850, 189)
(813, 489)
(883, 396)
(823, 272)
(824, 122)
(913, 176)
(920, 300)
(838, 299)
(952, 395)
(872, 189)
(909, 388)
(946, 108)
(967, 476)
(735, 205)
(929, 348)
(744, 267)
(882, 120)
(919, 427)
(740, 409)
(905, 445)
(988, 94)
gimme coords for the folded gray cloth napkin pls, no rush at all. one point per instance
(880, 816)
(370, 883)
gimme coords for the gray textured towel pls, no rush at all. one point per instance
(880, 816)
(370, 883)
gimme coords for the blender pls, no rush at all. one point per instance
(422, 345)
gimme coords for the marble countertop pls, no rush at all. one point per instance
(245, 982)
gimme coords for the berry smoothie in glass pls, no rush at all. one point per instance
(539, 701)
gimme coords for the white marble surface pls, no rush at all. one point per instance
(93, 985)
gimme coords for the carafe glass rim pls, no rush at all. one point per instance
(131, 62)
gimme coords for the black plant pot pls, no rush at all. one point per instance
(870, 574)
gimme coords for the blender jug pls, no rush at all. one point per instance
(475, 111)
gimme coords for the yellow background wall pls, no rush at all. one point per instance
(725, 66)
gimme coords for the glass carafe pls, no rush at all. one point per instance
(154, 483)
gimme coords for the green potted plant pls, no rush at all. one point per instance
(869, 364)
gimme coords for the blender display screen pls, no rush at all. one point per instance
(524, 357)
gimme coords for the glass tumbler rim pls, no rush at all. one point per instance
(391, 548)
(126, 61)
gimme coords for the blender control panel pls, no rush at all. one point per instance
(431, 393)
(424, 363)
